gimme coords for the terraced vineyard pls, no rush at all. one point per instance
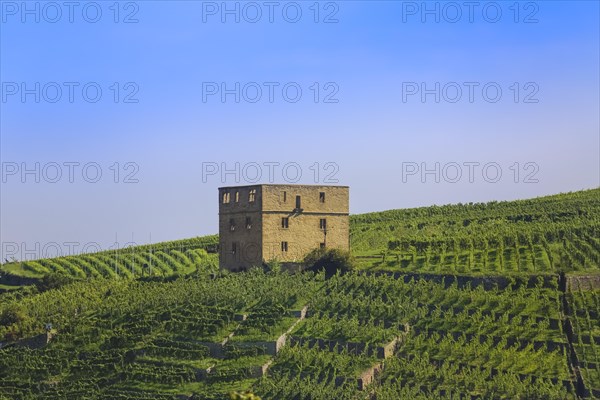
(364, 336)
(163, 259)
(495, 301)
(544, 235)
(547, 235)
(585, 307)
(116, 338)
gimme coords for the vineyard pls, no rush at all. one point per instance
(546, 235)
(363, 336)
(162, 259)
(585, 325)
(455, 302)
(115, 337)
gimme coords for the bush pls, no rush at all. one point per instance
(14, 320)
(273, 266)
(13, 314)
(54, 281)
(247, 395)
(331, 261)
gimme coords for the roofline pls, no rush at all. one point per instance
(280, 184)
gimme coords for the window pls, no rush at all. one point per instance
(284, 247)
(226, 197)
(232, 224)
(322, 245)
(285, 222)
(284, 196)
(248, 223)
(298, 202)
(322, 197)
(323, 223)
(237, 197)
(233, 247)
(252, 195)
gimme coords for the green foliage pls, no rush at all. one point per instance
(331, 261)
(54, 280)
(182, 257)
(547, 234)
(585, 319)
(135, 339)
(14, 319)
(248, 395)
(273, 265)
(13, 314)
(154, 333)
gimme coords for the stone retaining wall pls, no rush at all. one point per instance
(582, 282)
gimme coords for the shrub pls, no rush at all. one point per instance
(13, 314)
(14, 320)
(54, 281)
(329, 260)
(247, 395)
(273, 265)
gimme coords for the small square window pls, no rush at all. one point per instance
(285, 222)
(252, 195)
(322, 197)
(284, 247)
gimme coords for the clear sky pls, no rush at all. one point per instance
(161, 96)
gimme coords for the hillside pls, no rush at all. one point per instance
(461, 301)
(127, 339)
(558, 233)
(160, 259)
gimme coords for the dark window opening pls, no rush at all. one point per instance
(233, 247)
(285, 222)
(323, 223)
(232, 224)
(284, 197)
(248, 223)
(298, 202)
(322, 245)
(322, 197)
(284, 246)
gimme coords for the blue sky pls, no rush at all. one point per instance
(363, 123)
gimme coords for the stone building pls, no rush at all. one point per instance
(260, 223)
